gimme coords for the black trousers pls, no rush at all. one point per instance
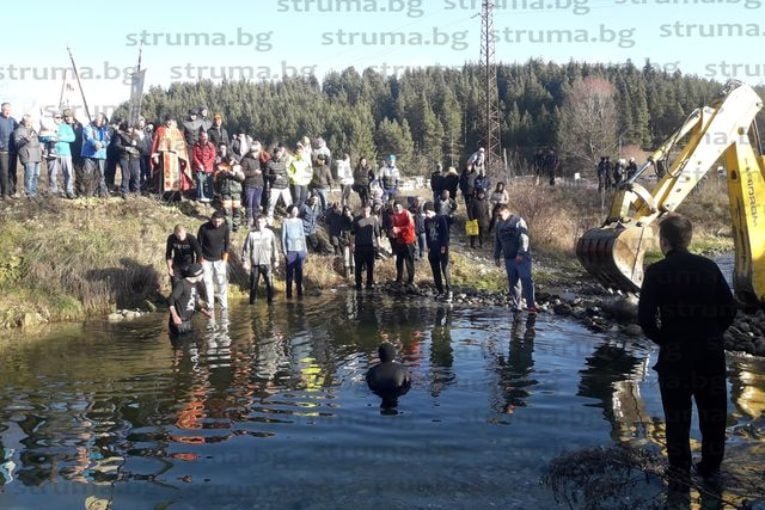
(405, 255)
(8, 177)
(708, 389)
(364, 256)
(255, 274)
(439, 264)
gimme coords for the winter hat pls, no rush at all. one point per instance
(386, 352)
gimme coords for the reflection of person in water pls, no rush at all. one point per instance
(607, 368)
(441, 352)
(388, 379)
(515, 370)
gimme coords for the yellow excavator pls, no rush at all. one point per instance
(724, 132)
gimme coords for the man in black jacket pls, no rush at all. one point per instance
(214, 239)
(685, 306)
(278, 182)
(184, 300)
(181, 250)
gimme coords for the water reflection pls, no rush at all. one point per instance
(284, 386)
(441, 351)
(517, 367)
(613, 376)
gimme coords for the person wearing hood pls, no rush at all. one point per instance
(95, 138)
(389, 379)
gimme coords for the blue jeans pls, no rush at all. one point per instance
(94, 169)
(295, 261)
(252, 198)
(323, 199)
(520, 272)
(31, 174)
(204, 186)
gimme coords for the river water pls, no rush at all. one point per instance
(270, 409)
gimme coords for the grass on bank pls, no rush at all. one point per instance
(65, 260)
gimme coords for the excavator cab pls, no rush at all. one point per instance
(724, 132)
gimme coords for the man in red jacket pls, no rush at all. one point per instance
(404, 241)
(203, 161)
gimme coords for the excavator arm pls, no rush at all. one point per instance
(724, 131)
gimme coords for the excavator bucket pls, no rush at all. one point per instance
(614, 255)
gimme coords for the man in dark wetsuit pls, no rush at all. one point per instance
(181, 251)
(685, 306)
(389, 379)
(184, 300)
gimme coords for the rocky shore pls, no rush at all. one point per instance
(599, 310)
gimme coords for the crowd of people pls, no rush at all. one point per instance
(611, 174)
(385, 224)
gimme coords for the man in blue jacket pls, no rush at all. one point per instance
(95, 139)
(512, 244)
(8, 158)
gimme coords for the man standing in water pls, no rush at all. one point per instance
(685, 307)
(214, 240)
(512, 243)
(388, 379)
(184, 300)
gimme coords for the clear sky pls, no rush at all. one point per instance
(184, 41)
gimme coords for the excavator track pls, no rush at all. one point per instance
(614, 255)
